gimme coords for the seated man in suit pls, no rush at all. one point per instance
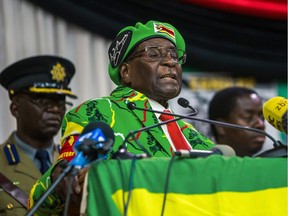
(37, 87)
(146, 65)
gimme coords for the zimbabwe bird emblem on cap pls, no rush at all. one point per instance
(58, 72)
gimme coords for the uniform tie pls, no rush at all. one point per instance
(43, 156)
(174, 132)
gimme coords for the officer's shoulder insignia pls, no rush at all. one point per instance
(11, 154)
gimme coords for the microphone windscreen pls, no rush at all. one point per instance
(105, 128)
(275, 112)
(224, 150)
(131, 105)
(183, 102)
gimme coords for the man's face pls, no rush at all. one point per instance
(247, 112)
(39, 116)
(160, 80)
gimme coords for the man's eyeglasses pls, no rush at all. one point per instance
(47, 103)
(152, 53)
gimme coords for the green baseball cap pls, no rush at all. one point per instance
(129, 37)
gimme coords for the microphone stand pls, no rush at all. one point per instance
(90, 151)
(132, 106)
(132, 133)
(279, 150)
(64, 173)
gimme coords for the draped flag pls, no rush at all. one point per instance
(215, 185)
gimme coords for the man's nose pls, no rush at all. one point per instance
(259, 123)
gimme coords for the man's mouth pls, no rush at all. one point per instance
(168, 76)
(259, 138)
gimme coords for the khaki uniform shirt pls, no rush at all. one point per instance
(23, 174)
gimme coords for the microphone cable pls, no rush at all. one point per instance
(137, 142)
(68, 194)
(167, 184)
(122, 180)
(130, 185)
(184, 102)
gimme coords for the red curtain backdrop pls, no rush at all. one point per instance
(273, 9)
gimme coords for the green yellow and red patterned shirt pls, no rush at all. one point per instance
(113, 111)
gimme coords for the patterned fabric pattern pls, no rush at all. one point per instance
(113, 111)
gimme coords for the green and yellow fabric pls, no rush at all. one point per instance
(113, 111)
(210, 186)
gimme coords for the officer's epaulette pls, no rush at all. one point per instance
(11, 154)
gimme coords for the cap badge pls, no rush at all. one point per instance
(58, 72)
(160, 28)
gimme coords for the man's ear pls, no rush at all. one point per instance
(220, 129)
(125, 73)
(14, 108)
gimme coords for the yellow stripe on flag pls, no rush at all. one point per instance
(263, 203)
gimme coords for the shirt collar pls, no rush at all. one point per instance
(29, 150)
(157, 106)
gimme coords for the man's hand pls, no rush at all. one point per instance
(76, 190)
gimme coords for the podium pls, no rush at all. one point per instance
(216, 185)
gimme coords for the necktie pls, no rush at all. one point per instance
(43, 157)
(174, 132)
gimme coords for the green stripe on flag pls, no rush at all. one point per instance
(261, 182)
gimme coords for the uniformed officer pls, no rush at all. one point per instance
(37, 88)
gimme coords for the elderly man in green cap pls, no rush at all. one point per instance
(38, 87)
(145, 64)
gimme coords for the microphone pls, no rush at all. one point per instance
(185, 103)
(224, 124)
(275, 112)
(279, 149)
(122, 153)
(95, 142)
(218, 149)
